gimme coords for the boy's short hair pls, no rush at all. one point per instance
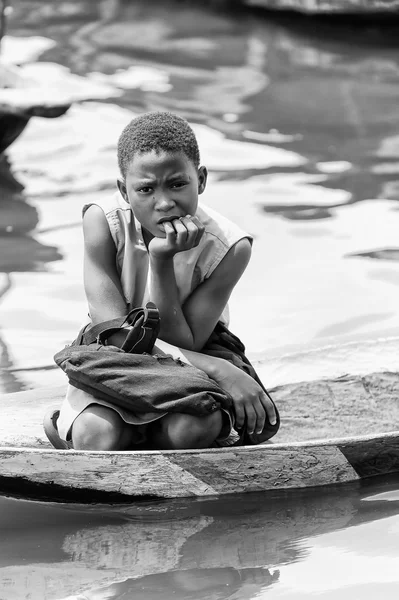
(159, 131)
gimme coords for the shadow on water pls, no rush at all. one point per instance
(19, 252)
(217, 548)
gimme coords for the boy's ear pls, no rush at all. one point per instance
(122, 188)
(202, 179)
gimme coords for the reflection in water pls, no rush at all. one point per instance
(9, 382)
(381, 254)
(191, 584)
(332, 89)
(222, 548)
(298, 124)
(19, 252)
(331, 99)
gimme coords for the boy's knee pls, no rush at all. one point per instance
(179, 431)
(99, 428)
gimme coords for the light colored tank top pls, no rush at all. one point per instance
(191, 267)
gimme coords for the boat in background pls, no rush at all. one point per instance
(13, 119)
(330, 7)
(333, 431)
(29, 88)
(14, 116)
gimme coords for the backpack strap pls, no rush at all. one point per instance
(143, 325)
(99, 332)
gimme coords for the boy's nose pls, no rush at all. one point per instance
(164, 203)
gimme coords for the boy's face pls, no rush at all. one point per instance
(162, 186)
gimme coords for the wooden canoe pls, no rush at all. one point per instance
(333, 431)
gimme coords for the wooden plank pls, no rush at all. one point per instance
(124, 473)
(340, 409)
(333, 408)
(176, 474)
(267, 468)
(360, 7)
(372, 457)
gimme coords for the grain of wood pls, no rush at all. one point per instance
(334, 412)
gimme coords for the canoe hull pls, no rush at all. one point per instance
(84, 476)
(11, 126)
(13, 122)
(337, 412)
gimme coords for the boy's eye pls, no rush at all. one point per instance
(145, 190)
(178, 184)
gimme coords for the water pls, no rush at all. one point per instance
(336, 543)
(298, 123)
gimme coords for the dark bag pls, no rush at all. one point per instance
(133, 379)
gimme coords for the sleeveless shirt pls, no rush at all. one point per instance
(191, 267)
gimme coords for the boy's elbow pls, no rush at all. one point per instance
(196, 346)
(190, 343)
(184, 342)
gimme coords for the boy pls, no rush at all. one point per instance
(151, 241)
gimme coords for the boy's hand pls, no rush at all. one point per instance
(250, 401)
(181, 234)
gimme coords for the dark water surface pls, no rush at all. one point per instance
(298, 123)
(334, 543)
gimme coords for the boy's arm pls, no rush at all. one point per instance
(101, 281)
(189, 326)
(251, 403)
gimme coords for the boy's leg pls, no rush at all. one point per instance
(101, 428)
(179, 431)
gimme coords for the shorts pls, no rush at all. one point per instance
(76, 401)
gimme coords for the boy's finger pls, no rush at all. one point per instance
(239, 416)
(200, 228)
(251, 418)
(200, 233)
(269, 407)
(192, 230)
(260, 416)
(196, 220)
(169, 231)
(198, 223)
(181, 231)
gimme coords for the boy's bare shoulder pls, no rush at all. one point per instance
(233, 265)
(95, 228)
